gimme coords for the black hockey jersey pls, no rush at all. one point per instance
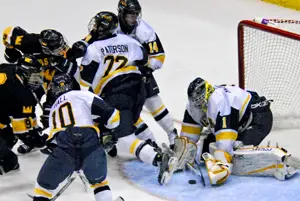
(17, 42)
(17, 104)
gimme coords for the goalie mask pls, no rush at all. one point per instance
(29, 70)
(61, 83)
(199, 92)
(129, 13)
(53, 43)
(103, 24)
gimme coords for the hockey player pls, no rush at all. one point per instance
(111, 68)
(18, 103)
(131, 24)
(76, 139)
(239, 120)
(51, 50)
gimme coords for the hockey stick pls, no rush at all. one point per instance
(201, 174)
(37, 100)
(64, 188)
(83, 180)
(197, 172)
(70, 181)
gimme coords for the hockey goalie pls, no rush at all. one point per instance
(237, 121)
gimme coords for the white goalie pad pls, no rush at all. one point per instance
(185, 151)
(261, 161)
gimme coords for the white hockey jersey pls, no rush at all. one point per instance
(78, 109)
(108, 59)
(146, 36)
(226, 108)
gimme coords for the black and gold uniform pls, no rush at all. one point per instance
(50, 49)
(17, 103)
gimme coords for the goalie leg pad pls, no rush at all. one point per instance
(263, 161)
(185, 151)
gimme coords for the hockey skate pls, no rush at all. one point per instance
(15, 169)
(113, 152)
(24, 149)
(167, 166)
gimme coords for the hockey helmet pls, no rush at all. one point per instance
(103, 24)
(61, 83)
(199, 92)
(53, 42)
(29, 69)
(129, 13)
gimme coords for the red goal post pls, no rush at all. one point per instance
(269, 63)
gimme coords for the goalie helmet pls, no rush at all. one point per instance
(61, 83)
(129, 13)
(53, 43)
(199, 92)
(29, 69)
(103, 24)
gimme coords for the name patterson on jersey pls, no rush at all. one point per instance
(112, 49)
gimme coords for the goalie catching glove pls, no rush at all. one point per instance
(218, 166)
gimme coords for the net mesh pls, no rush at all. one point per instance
(272, 68)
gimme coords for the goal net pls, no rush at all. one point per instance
(269, 63)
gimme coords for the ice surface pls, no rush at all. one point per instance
(199, 38)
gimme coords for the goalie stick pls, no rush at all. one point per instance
(197, 172)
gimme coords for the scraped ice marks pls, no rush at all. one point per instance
(236, 188)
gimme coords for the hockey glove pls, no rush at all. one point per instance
(44, 118)
(108, 138)
(12, 55)
(49, 148)
(79, 48)
(218, 166)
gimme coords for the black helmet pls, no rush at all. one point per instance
(53, 42)
(103, 24)
(61, 83)
(29, 69)
(199, 92)
(129, 7)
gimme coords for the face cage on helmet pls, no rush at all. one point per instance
(35, 80)
(199, 101)
(59, 51)
(92, 26)
(200, 96)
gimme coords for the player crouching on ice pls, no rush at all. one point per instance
(237, 122)
(76, 140)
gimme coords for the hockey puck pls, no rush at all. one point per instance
(192, 181)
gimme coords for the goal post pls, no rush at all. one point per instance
(269, 63)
